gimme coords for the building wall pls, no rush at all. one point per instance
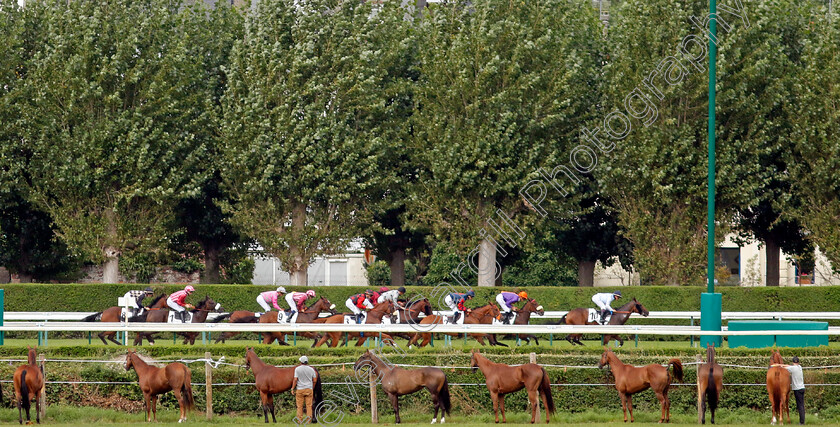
(337, 270)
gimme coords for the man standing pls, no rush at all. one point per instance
(302, 386)
(797, 384)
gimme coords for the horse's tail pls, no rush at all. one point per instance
(562, 320)
(711, 388)
(221, 317)
(545, 390)
(317, 397)
(678, 369)
(777, 395)
(247, 319)
(93, 317)
(444, 396)
(186, 390)
(24, 392)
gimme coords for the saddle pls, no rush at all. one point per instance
(595, 316)
(172, 319)
(281, 318)
(512, 319)
(351, 319)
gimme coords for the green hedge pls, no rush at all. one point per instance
(95, 297)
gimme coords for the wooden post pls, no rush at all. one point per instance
(43, 411)
(533, 359)
(374, 411)
(208, 381)
(699, 392)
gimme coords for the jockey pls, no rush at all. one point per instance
(296, 302)
(391, 296)
(176, 302)
(267, 297)
(603, 301)
(135, 298)
(359, 302)
(377, 294)
(455, 302)
(506, 300)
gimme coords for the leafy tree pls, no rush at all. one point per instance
(109, 117)
(503, 88)
(817, 137)
(305, 120)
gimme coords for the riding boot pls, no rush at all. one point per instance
(456, 317)
(508, 316)
(289, 315)
(603, 316)
(358, 318)
(183, 315)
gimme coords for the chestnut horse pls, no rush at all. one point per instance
(410, 314)
(579, 316)
(374, 316)
(154, 381)
(29, 382)
(503, 379)
(307, 315)
(709, 385)
(630, 380)
(477, 316)
(398, 382)
(271, 380)
(114, 314)
(778, 388)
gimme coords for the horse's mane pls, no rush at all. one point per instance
(157, 298)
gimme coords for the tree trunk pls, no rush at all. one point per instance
(211, 272)
(772, 263)
(487, 263)
(24, 277)
(298, 272)
(586, 273)
(111, 269)
(397, 266)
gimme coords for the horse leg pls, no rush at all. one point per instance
(623, 405)
(101, 336)
(264, 405)
(182, 403)
(154, 407)
(703, 407)
(270, 406)
(361, 341)
(147, 400)
(630, 407)
(395, 402)
(495, 398)
(502, 407)
(113, 337)
(38, 408)
(663, 405)
(534, 403)
(427, 338)
(435, 403)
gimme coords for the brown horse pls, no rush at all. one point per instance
(410, 314)
(778, 388)
(114, 314)
(158, 315)
(709, 385)
(503, 379)
(523, 316)
(271, 380)
(200, 312)
(374, 316)
(29, 383)
(477, 316)
(307, 315)
(398, 382)
(155, 381)
(630, 380)
(579, 316)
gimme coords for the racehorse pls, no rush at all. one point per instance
(271, 380)
(630, 380)
(410, 314)
(523, 316)
(374, 316)
(398, 382)
(502, 379)
(307, 315)
(114, 314)
(202, 309)
(482, 315)
(29, 383)
(710, 385)
(778, 388)
(578, 316)
(154, 381)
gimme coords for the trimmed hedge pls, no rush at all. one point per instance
(95, 297)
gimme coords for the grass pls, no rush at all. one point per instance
(73, 416)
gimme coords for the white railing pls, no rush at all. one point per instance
(376, 328)
(685, 315)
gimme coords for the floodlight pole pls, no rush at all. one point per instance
(711, 303)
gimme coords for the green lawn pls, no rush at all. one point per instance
(72, 416)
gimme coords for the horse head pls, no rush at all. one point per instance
(364, 361)
(474, 360)
(639, 308)
(532, 307)
(208, 304)
(128, 362)
(249, 355)
(326, 305)
(605, 358)
(776, 358)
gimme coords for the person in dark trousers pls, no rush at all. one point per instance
(797, 384)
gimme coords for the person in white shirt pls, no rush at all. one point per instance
(797, 384)
(603, 301)
(391, 295)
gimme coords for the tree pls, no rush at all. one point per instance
(304, 119)
(816, 156)
(503, 88)
(109, 117)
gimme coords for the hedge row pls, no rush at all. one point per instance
(95, 297)
(467, 400)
